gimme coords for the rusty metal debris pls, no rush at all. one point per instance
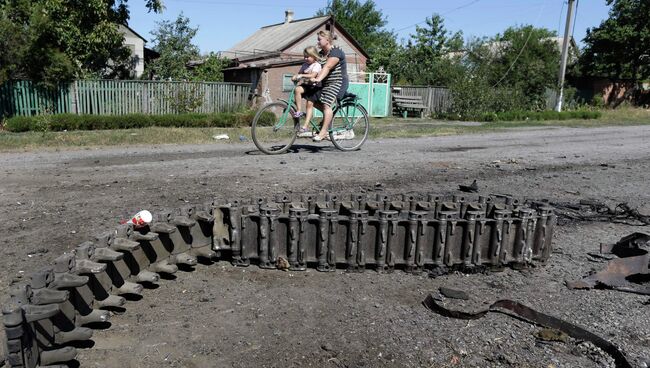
(626, 273)
(589, 210)
(359, 231)
(518, 310)
(55, 306)
(472, 188)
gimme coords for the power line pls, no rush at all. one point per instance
(530, 33)
(218, 2)
(576, 17)
(445, 13)
(559, 21)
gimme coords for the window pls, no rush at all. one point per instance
(287, 83)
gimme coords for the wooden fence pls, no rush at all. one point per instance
(437, 99)
(118, 97)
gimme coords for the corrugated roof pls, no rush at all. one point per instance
(275, 37)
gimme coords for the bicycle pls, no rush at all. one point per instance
(274, 129)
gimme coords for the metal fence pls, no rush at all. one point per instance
(437, 99)
(118, 97)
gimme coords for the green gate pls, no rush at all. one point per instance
(373, 90)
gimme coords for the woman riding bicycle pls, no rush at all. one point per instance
(334, 77)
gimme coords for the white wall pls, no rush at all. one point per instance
(136, 45)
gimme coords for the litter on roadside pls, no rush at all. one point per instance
(221, 137)
(140, 219)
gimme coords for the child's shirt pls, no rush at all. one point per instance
(310, 68)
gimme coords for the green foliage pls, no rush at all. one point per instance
(211, 69)
(520, 115)
(42, 123)
(387, 56)
(474, 96)
(52, 41)
(173, 41)
(620, 46)
(511, 71)
(529, 62)
(62, 122)
(363, 21)
(425, 58)
(186, 99)
(155, 6)
(598, 101)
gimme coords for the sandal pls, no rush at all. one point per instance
(298, 114)
(318, 138)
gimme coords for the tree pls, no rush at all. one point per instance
(526, 58)
(173, 41)
(387, 55)
(427, 59)
(619, 48)
(510, 71)
(363, 22)
(211, 68)
(522, 62)
(51, 41)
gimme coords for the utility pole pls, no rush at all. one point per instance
(565, 55)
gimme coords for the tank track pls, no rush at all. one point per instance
(55, 306)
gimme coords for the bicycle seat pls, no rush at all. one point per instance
(347, 96)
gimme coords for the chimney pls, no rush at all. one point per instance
(288, 16)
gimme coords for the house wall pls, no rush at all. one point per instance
(271, 77)
(136, 46)
(612, 91)
(355, 59)
(275, 76)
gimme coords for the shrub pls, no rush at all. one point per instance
(518, 115)
(61, 122)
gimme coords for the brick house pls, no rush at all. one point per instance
(268, 57)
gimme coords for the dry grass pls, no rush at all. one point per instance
(126, 137)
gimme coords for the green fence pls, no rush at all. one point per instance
(117, 97)
(372, 90)
(23, 98)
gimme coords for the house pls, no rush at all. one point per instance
(139, 53)
(267, 59)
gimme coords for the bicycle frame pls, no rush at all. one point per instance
(348, 116)
(336, 109)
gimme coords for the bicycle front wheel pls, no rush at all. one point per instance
(350, 127)
(274, 128)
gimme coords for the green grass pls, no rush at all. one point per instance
(380, 128)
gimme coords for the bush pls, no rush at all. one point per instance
(517, 115)
(61, 122)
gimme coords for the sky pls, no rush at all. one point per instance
(223, 23)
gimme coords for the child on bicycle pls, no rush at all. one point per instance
(309, 69)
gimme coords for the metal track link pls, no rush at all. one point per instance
(55, 306)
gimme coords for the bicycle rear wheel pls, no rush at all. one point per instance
(274, 128)
(350, 126)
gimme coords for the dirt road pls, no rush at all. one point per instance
(221, 316)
